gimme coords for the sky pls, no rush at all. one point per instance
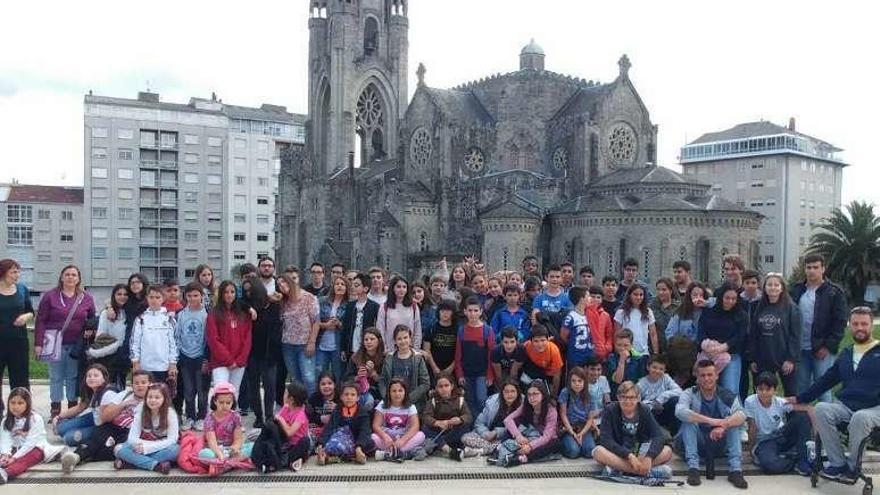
(699, 66)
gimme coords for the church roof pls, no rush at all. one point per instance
(643, 175)
(654, 202)
(532, 48)
(517, 205)
(583, 101)
(753, 129)
(387, 219)
(459, 105)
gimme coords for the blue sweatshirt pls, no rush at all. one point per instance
(190, 334)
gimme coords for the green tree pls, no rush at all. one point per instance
(850, 243)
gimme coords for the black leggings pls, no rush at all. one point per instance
(450, 437)
(14, 354)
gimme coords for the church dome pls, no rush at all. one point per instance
(532, 49)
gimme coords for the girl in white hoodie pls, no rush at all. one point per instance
(153, 346)
(23, 441)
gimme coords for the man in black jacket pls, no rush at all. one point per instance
(630, 440)
(823, 319)
(360, 314)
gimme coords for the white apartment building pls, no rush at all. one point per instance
(161, 180)
(39, 229)
(792, 178)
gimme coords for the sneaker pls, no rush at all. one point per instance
(119, 464)
(322, 456)
(455, 454)
(296, 465)
(420, 454)
(663, 472)
(803, 468)
(744, 436)
(471, 452)
(187, 424)
(445, 450)
(736, 479)
(4, 476)
(380, 455)
(69, 461)
(359, 456)
(693, 477)
(199, 425)
(163, 467)
(849, 476)
(834, 472)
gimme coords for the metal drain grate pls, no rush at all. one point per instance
(291, 478)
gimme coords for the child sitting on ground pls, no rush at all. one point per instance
(226, 448)
(347, 434)
(779, 430)
(396, 424)
(660, 393)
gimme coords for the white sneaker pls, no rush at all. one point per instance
(380, 455)
(663, 472)
(472, 452)
(69, 461)
(187, 424)
(199, 425)
(4, 476)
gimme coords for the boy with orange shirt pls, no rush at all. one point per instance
(543, 361)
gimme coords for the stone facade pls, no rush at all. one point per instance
(528, 162)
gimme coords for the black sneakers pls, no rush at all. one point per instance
(736, 479)
(693, 478)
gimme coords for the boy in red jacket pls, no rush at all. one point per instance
(601, 328)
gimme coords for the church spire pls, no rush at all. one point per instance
(624, 65)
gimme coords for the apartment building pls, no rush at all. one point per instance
(39, 229)
(162, 179)
(792, 178)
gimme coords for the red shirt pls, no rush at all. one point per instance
(229, 340)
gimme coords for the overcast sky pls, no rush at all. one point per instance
(698, 67)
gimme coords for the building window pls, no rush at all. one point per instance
(646, 256)
(66, 237)
(99, 233)
(44, 256)
(126, 193)
(125, 173)
(99, 213)
(262, 165)
(124, 155)
(505, 258)
(263, 181)
(214, 159)
(682, 253)
(99, 153)
(20, 235)
(239, 255)
(768, 258)
(238, 236)
(215, 198)
(610, 260)
(125, 213)
(125, 234)
(214, 235)
(126, 253)
(99, 273)
(19, 214)
(190, 139)
(757, 183)
(44, 214)
(240, 201)
(240, 218)
(99, 173)
(191, 235)
(125, 134)
(757, 166)
(262, 219)
(191, 158)
(191, 197)
(99, 132)
(240, 180)
(191, 178)
(99, 253)
(214, 179)
(67, 215)
(99, 192)
(262, 200)
(262, 237)
(191, 216)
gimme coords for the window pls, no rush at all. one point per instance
(240, 144)
(240, 218)
(716, 187)
(125, 234)
(215, 179)
(262, 237)
(239, 255)
(99, 153)
(214, 235)
(263, 182)
(757, 166)
(215, 198)
(214, 141)
(189, 273)
(99, 213)
(262, 254)
(124, 155)
(803, 222)
(214, 159)
(20, 235)
(262, 165)
(768, 258)
(99, 273)
(803, 165)
(44, 256)
(44, 214)
(99, 192)
(99, 173)
(191, 197)
(758, 203)
(125, 213)
(757, 183)
(238, 236)
(19, 214)
(191, 158)
(262, 219)
(191, 216)
(215, 254)
(99, 253)
(239, 201)
(125, 253)
(125, 133)
(191, 178)
(126, 193)
(67, 215)
(214, 218)
(191, 139)
(240, 163)
(99, 132)
(191, 253)
(240, 180)
(99, 233)
(262, 200)
(770, 202)
(66, 236)
(125, 173)
(191, 235)
(813, 204)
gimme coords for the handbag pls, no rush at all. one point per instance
(53, 338)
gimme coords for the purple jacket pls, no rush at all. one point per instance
(52, 312)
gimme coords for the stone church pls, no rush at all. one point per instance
(527, 162)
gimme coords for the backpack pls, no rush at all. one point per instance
(487, 330)
(553, 322)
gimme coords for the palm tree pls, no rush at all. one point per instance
(850, 244)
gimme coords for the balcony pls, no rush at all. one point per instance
(155, 223)
(157, 203)
(158, 242)
(158, 145)
(165, 164)
(159, 261)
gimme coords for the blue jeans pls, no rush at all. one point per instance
(810, 369)
(63, 376)
(76, 430)
(328, 361)
(697, 444)
(147, 462)
(475, 392)
(572, 450)
(299, 366)
(730, 376)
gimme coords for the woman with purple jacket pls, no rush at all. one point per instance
(68, 299)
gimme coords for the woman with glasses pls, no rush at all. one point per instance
(533, 426)
(630, 440)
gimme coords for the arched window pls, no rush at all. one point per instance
(369, 122)
(724, 253)
(682, 253)
(505, 259)
(371, 36)
(423, 241)
(610, 260)
(646, 255)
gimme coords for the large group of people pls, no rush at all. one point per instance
(509, 365)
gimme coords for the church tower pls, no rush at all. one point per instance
(357, 80)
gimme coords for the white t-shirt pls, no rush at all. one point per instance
(767, 419)
(395, 419)
(597, 392)
(638, 326)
